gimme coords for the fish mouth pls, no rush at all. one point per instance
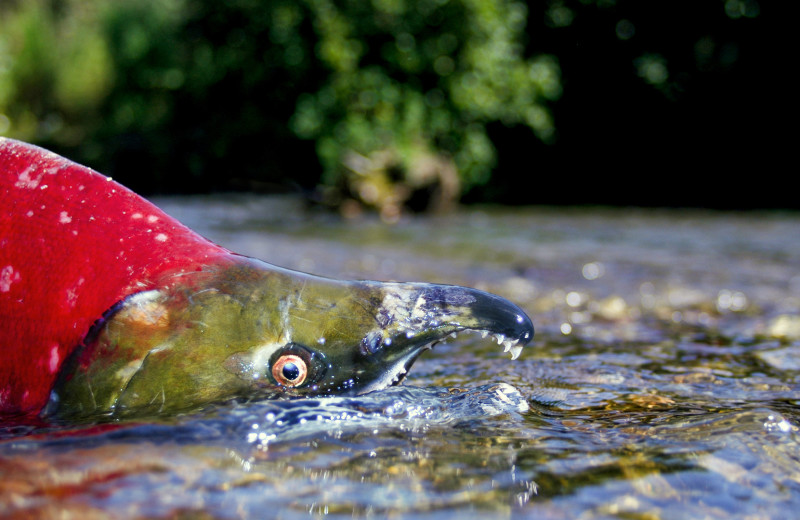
(512, 339)
(424, 315)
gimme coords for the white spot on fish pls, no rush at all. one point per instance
(152, 218)
(397, 304)
(161, 237)
(137, 216)
(72, 294)
(29, 213)
(7, 277)
(55, 357)
(26, 180)
(421, 309)
(64, 218)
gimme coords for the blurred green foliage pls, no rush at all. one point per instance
(423, 76)
(397, 89)
(54, 72)
(402, 103)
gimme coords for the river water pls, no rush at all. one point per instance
(663, 382)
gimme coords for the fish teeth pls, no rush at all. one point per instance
(398, 375)
(507, 344)
(453, 335)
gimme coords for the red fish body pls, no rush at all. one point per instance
(72, 244)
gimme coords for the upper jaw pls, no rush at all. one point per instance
(418, 316)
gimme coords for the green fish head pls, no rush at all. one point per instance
(247, 329)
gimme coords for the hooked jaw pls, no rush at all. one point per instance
(412, 318)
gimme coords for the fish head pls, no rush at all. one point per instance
(251, 330)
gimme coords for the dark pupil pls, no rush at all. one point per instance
(290, 371)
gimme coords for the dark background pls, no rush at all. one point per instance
(715, 133)
(717, 137)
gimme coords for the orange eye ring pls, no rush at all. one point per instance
(290, 370)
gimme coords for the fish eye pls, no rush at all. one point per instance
(290, 370)
(295, 365)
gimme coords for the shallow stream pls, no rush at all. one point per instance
(663, 382)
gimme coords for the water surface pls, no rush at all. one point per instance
(663, 382)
